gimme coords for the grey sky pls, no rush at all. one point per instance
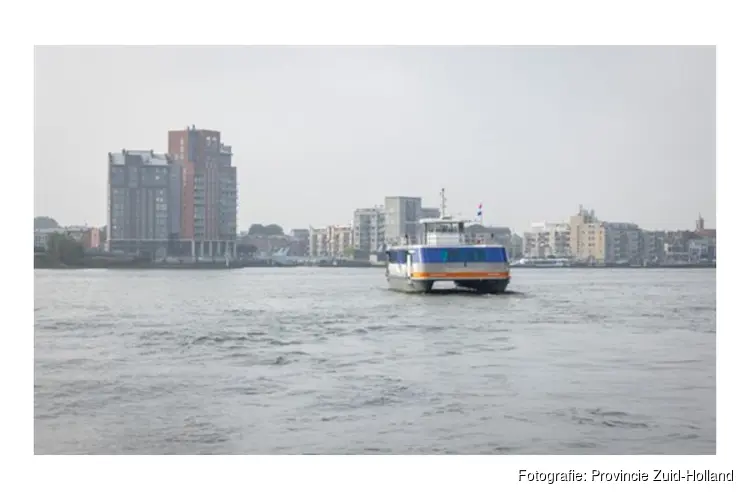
(319, 131)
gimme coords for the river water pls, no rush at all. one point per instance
(288, 361)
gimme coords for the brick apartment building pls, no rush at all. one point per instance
(209, 190)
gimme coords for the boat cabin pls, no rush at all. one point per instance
(443, 231)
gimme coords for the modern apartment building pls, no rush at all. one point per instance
(368, 229)
(652, 246)
(144, 202)
(587, 237)
(330, 241)
(318, 246)
(339, 240)
(603, 242)
(402, 214)
(547, 240)
(209, 193)
(622, 242)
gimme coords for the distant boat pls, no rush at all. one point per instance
(541, 262)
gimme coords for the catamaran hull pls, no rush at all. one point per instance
(403, 284)
(485, 286)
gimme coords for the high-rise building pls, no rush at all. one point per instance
(368, 228)
(144, 202)
(209, 194)
(402, 215)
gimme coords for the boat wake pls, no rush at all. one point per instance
(459, 291)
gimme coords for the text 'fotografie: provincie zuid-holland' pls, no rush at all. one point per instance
(656, 475)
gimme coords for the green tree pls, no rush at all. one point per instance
(274, 230)
(65, 250)
(269, 230)
(350, 252)
(256, 230)
(45, 223)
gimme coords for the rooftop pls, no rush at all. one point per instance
(147, 157)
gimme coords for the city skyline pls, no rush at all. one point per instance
(627, 131)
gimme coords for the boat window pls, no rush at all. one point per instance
(397, 256)
(462, 254)
(496, 255)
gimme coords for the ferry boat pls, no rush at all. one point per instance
(442, 255)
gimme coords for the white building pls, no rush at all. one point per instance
(339, 240)
(330, 241)
(368, 229)
(547, 239)
(318, 246)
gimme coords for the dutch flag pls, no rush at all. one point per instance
(479, 210)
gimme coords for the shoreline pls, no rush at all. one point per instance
(615, 266)
(347, 265)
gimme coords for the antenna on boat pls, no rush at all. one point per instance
(442, 204)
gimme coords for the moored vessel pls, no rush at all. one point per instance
(442, 254)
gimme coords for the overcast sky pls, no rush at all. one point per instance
(319, 131)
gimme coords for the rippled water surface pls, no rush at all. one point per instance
(329, 361)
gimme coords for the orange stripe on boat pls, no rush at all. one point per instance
(463, 275)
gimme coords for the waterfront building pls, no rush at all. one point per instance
(622, 243)
(368, 230)
(318, 246)
(209, 190)
(547, 239)
(144, 202)
(330, 241)
(652, 246)
(600, 242)
(587, 237)
(402, 214)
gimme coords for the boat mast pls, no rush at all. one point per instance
(442, 204)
